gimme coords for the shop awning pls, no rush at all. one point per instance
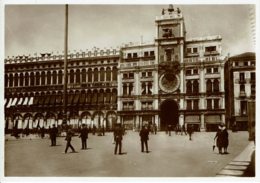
(213, 119)
(76, 99)
(114, 98)
(20, 101)
(101, 98)
(9, 103)
(82, 98)
(36, 100)
(94, 99)
(241, 118)
(14, 101)
(192, 119)
(25, 101)
(88, 101)
(52, 100)
(108, 96)
(70, 99)
(58, 99)
(41, 100)
(47, 100)
(31, 101)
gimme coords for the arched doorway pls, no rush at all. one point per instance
(169, 114)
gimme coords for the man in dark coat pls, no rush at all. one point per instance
(42, 130)
(53, 135)
(222, 139)
(190, 130)
(118, 136)
(144, 134)
(84, 136)
(68, 139)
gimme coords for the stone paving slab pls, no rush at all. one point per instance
(239, 165)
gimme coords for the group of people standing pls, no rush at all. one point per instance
(118, 137)
(221, 137)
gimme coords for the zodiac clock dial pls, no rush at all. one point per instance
(169, 82)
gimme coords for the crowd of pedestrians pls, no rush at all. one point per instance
(220, 139)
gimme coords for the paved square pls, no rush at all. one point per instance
(170, 156)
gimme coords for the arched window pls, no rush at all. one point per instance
(16, 79)
(89, 75)
(60, 77)
(26, 82)
(83, 76)
(77, 76)
(108, 74)
(131, 87)
(114, 96)
(216, 85)
(54, 78)
(101, 97)
(102, 74)
(43, 78)
(21, 79)
(95, 74)
(114, 73)
(71, 76)
(10, 80)
(124, 89)
(48, 77)
(195, 87)
(188, 87)
(108, 96)
(209, 86)
(37, 82)
(150, 85)
(144, 89)
(32, 79)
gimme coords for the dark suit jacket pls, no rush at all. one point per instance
(118, 133)
(84, 133)
(144, 133)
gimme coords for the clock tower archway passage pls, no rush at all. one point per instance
(169, 114)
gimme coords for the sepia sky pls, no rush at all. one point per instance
(39, 29)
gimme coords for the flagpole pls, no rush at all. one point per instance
(65, 68)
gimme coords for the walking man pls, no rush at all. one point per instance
(190, 130)
(68, 139)
(84, 136)
(118, 136)
(53, 135)
(144, 134)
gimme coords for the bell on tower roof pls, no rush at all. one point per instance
(170, 9)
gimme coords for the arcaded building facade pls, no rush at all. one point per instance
(171, 80)
(34, 89)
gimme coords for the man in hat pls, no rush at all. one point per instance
(68, 139)
(222, 139)
(144, 134)
(53, 135)
(84, 136)
(118, 136)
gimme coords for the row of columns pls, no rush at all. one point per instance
(58, 81)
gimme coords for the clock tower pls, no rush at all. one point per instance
(170, 37)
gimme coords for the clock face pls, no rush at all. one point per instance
(169, 82)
